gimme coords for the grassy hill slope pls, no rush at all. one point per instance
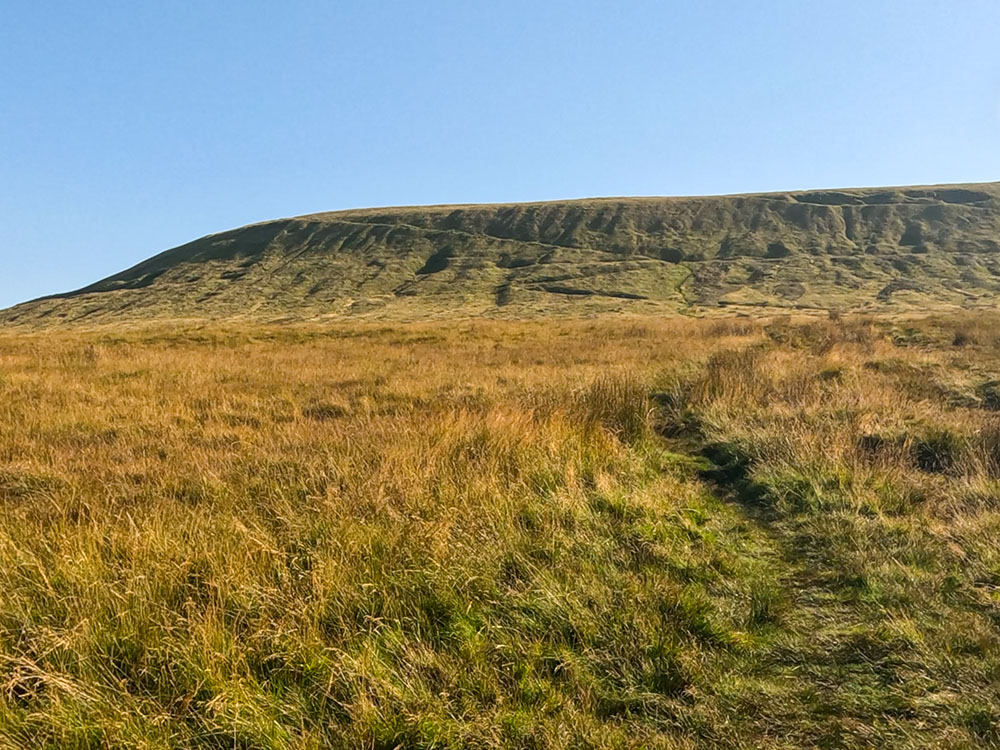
(890, 248)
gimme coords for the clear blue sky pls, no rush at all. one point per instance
(129, 127)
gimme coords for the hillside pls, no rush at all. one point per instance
(890, 248)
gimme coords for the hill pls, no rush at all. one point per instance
(864, 249)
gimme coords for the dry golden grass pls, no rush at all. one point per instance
(614, 533)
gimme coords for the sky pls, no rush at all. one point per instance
(130, 127)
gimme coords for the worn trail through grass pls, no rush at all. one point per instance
(803, 656)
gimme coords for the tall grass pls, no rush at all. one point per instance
(591, 534)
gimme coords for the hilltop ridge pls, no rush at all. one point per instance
(852, 249)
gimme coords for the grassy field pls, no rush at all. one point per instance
(618, 533)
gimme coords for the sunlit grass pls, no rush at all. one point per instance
(649, 533)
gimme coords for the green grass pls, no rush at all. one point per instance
(880, 249)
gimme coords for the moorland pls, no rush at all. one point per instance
(647, 532)
(887, 250)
